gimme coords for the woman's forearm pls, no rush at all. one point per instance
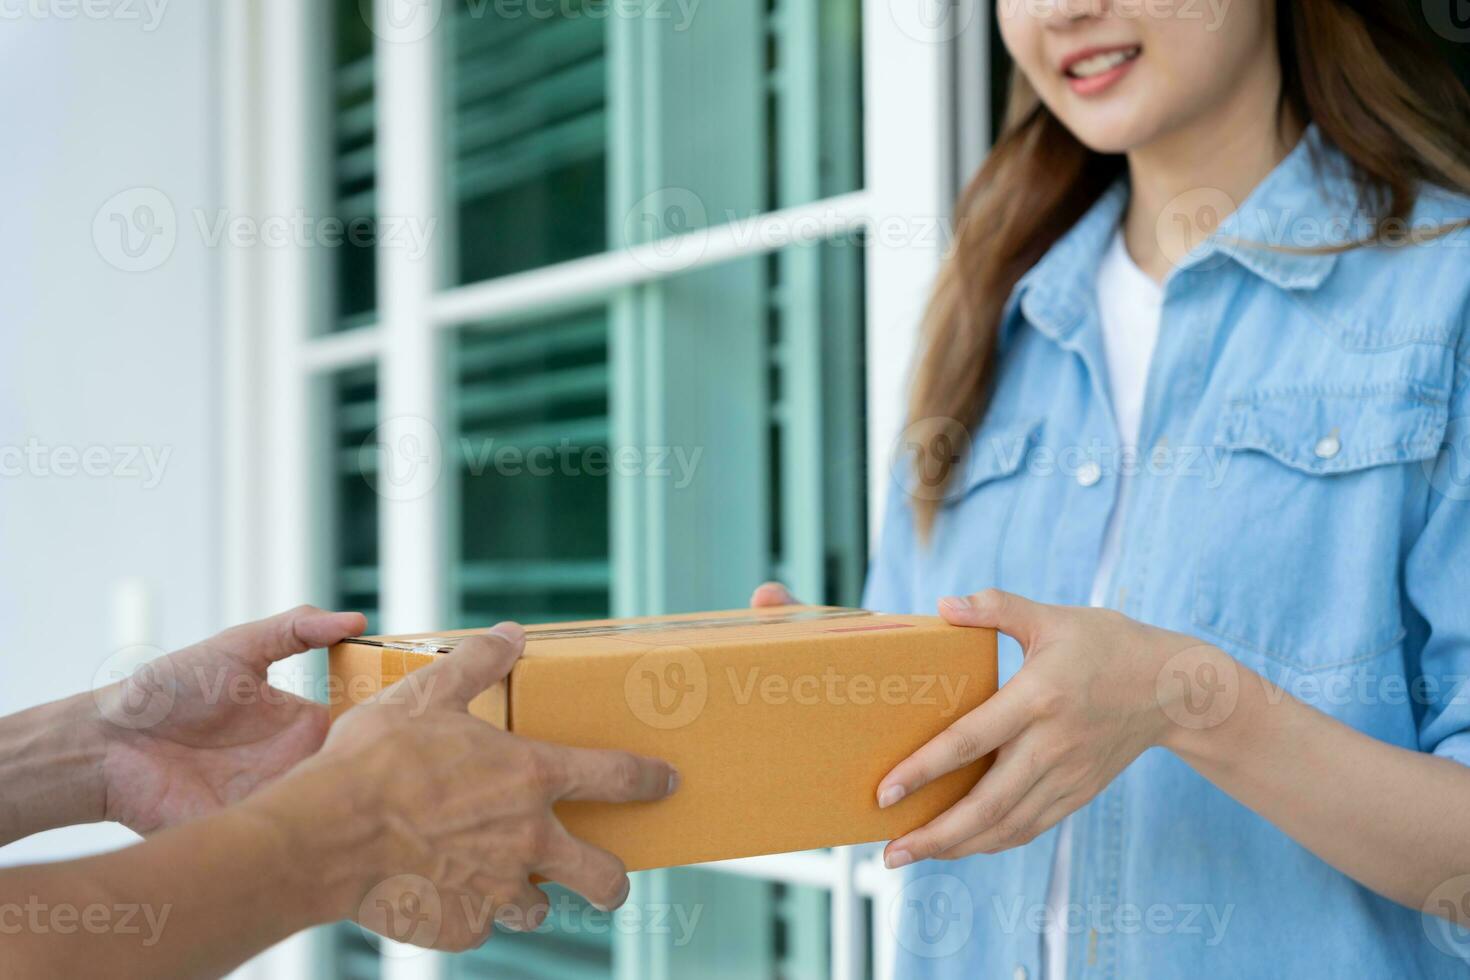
(51, 767)
(1390, 818)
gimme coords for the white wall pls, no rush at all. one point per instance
(92, 356)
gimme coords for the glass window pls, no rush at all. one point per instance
(353, 401)
(354, 162)
(563, 115)
(663, 447)
(532, 415)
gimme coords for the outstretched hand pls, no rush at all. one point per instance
(202, 728)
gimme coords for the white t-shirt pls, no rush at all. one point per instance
(1129, 305)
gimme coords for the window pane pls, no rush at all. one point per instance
(532, 413)
(354, 164)
(354, 403)
(529, 136)
(565, 116)
(574, 943)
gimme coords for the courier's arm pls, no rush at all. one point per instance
(415, 819)
(186, 734)
(193, 901)
(51, 768)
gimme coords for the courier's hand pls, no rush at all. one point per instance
(432, 822)
(1085, 703)
(201, 728)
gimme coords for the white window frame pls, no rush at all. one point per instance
(274, 358)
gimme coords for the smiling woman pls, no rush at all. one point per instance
(1189, 242)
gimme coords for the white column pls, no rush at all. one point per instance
(909, 139)
(849, 939)
(414, 468)
(287, 554)
(240, 429)
(411, 396)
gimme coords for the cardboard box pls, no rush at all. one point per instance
(781, 721)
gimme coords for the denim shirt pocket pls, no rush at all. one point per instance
(1301, 547)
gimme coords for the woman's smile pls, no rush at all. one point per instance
(1093, 70)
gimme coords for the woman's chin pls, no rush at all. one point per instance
(1107, 132)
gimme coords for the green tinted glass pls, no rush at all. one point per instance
(564, 115)
(354, 165)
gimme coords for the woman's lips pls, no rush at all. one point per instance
(1092, 71)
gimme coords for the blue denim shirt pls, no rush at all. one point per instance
(1302, 501)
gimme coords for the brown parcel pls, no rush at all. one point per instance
(781, 721)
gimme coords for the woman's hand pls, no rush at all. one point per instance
(202, 728)
(427, 824)
(772, 594)
(1096, 689)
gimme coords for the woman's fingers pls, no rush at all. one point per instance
(772, 594)
(989, 805)
(1011, 614)
(968, 740)
(1042, 808)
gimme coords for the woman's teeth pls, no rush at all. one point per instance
(1099, 63)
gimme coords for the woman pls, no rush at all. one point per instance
(1240, 442)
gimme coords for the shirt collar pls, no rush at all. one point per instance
(1307, 201)
(1310, 200)
(1055, 293)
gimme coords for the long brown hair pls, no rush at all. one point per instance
(1361, 71)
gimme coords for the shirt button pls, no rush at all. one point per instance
(1328, 446)
(1019, 973)
(1088, 474)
